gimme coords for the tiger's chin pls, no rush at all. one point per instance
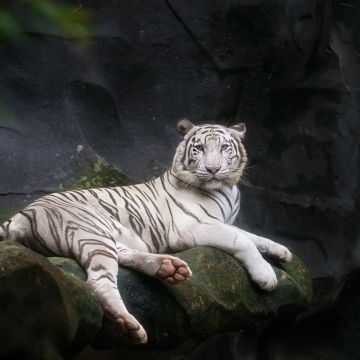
(212, 184)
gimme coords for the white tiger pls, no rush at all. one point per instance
(193, 203)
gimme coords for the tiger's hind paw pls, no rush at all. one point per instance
(129, 326)
(174, 270)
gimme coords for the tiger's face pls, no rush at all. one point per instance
(210, 156)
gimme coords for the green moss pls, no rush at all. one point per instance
(102, 175)
(7, 213)
(222, 288)
(42, 304)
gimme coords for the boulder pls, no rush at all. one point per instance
(44, 312)
(48, 309)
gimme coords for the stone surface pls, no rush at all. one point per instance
(220, 297)
(148, 300)
(332, 334)
(45, 309)
(44, 312)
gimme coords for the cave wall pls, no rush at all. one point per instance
(288, 69)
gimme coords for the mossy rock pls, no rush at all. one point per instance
(44, 312)
(101, 174)
(148, 300)
(46, 304)
(219, 297)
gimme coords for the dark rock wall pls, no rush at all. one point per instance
(288, 69)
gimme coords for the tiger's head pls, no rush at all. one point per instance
(209, 156)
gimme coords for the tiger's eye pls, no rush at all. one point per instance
(199, 147)
(224, 146)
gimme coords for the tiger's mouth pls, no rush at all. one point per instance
(212, 177)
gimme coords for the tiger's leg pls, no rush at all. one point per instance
(269, 247)
(229, 239)
(93, 249)
(101, 264)
(165, 267)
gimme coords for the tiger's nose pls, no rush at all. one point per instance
(213, 170)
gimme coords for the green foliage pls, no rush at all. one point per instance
(67, 20)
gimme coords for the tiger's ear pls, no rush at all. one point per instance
(183, 126)
(240, 128)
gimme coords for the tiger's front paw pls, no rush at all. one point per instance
(129, 326)
(264, 275)
(174, 270)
